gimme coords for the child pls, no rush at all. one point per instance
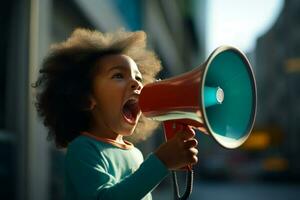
(87, 96)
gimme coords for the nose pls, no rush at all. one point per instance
(136, 85)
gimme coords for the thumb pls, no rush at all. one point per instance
(186, 133)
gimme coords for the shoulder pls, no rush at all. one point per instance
(79, 144)
(85, 142)
(85, 150)
(83, 146)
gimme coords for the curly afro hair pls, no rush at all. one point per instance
(65, 79)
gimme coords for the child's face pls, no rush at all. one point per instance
(115, 92)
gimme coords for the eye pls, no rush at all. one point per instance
(117, 76)
(139, 78)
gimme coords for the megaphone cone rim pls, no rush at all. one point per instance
(207, 63)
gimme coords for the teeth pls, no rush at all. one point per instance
(131, 109)
(134, 100)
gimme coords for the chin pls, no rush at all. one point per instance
(128, 128)
(128, 131)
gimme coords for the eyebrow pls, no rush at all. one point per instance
(120, 67)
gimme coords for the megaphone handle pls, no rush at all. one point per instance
(171, 127)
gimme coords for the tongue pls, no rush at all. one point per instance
(130, 111)
(128, 114)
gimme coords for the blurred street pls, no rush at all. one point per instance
(238, 191)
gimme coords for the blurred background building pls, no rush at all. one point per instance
(32, 169)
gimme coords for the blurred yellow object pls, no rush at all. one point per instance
(258, 140)
(275, 164)
(292, 65)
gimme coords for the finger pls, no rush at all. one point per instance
(193, 151)
(186, 134)
(194, 160)
(203, 130)
(190, 143)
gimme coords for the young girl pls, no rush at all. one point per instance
(87, 96)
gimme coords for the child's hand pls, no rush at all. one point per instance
(179, 151)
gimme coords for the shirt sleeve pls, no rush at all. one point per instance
(88, 174)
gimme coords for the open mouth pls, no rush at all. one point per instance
(131, 110)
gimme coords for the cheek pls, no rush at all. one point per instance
(112, 102)
(110, 99)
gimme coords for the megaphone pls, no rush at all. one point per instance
(218, 98)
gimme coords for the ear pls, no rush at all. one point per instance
(92, 103)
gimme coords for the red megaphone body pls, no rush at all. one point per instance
(175, 101)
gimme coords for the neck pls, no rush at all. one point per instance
(107, 134)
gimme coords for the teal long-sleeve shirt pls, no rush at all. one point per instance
(102, 171)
